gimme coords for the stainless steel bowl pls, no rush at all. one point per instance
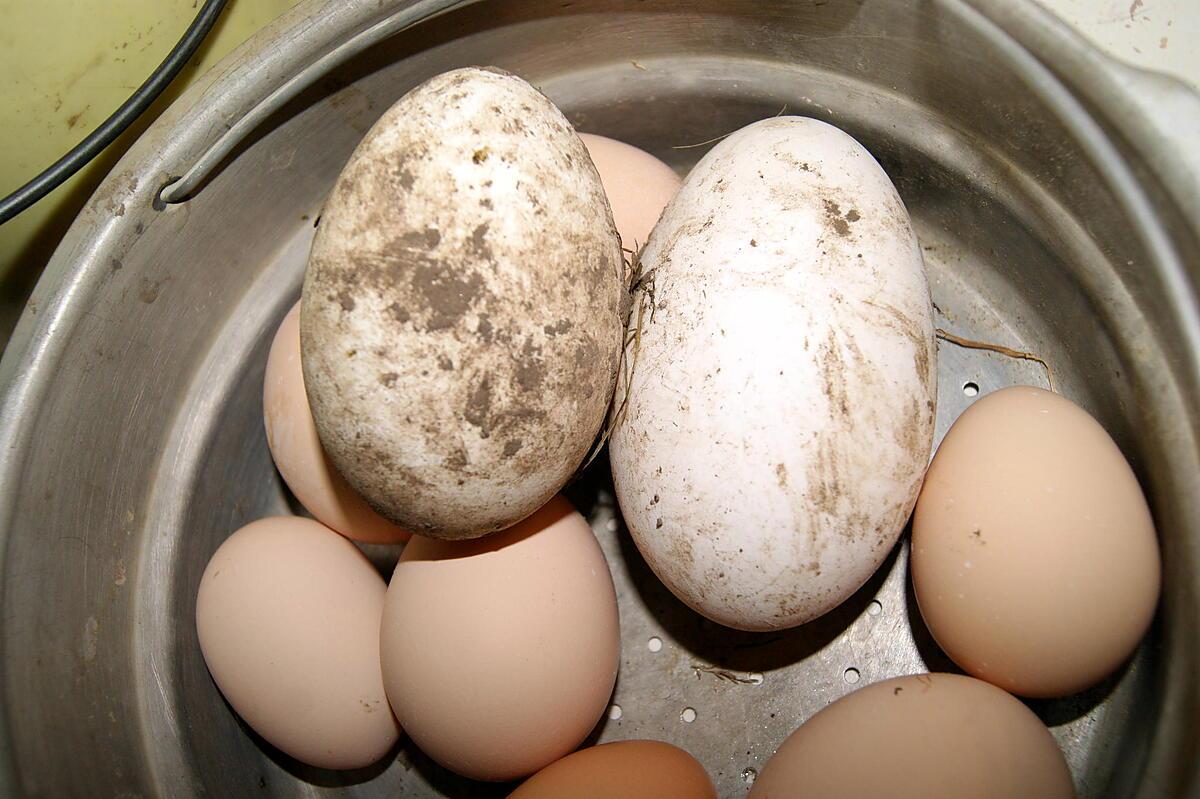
(1057, 197)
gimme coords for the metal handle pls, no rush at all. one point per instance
(1163, 124)
(1157, 116)
(119, 121)
(330, 20)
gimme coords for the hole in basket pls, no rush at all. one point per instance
(851, 675)
(614, 712)
(875, 608)
(971, 389)
(749, 775)
(654, 644)
(688, 715)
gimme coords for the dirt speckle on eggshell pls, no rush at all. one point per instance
(467, 254)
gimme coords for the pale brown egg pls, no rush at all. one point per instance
(500, 653)
(288, 620)
(1034, 556)
(638, 186)
(927, 736)
(621, 770)
(296, 448)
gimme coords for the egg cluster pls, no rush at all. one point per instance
(490, 299)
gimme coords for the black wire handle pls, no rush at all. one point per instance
(123, 117)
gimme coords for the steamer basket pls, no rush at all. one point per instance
(1056, 194)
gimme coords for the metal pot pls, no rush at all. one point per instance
(1057, 197)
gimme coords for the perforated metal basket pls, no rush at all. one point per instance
(1057, 199)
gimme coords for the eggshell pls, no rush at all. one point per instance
(1034, 557)
(288, 620)
(621, 770)
(297, 451)
(928, 736)
(499, 654)
(779, 415)
(637, 184)
(462, 316)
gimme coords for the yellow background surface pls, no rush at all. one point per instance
(65, 66)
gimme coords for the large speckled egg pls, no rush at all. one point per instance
(777, 414)
(462, 320)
